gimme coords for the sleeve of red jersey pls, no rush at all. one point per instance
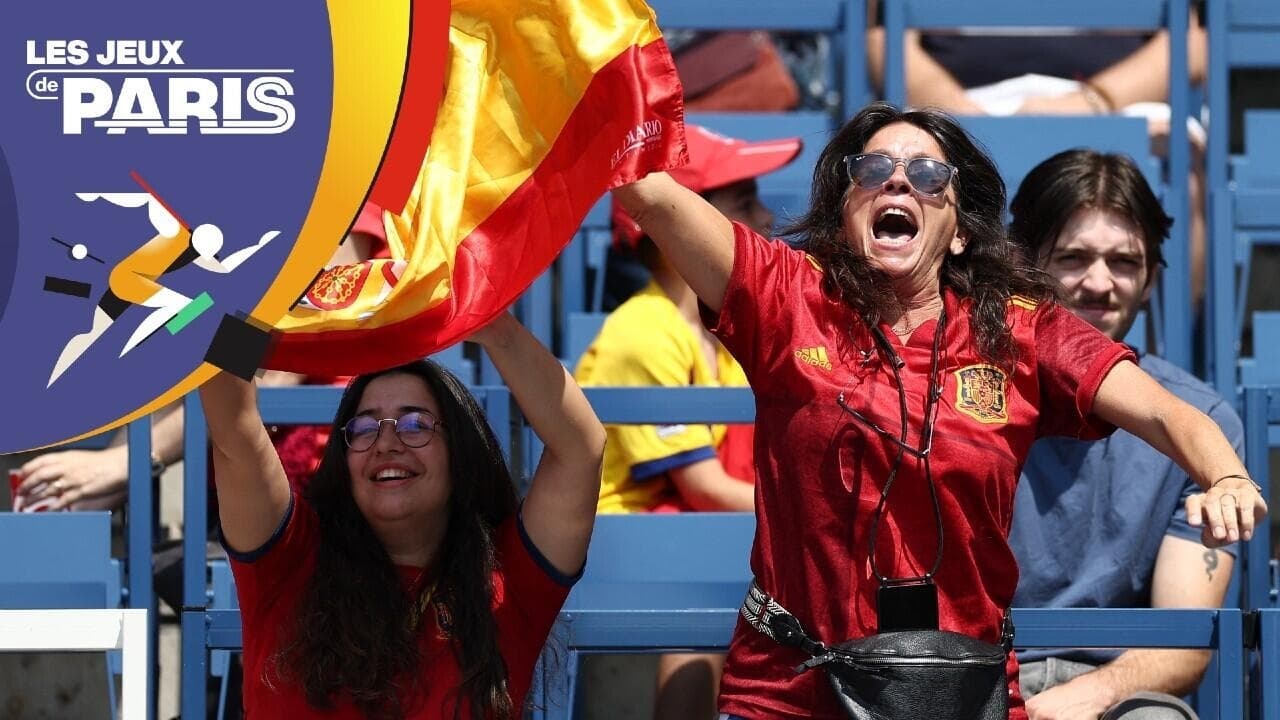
(1072, 358)
(263, 574)
(762, 294)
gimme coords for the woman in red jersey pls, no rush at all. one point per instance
(406, 580)
(947, 356)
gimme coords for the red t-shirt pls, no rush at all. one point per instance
(528, 594)
(820, 471)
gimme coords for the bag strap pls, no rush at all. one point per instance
(765, 614)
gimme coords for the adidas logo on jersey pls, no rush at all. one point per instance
(815, 356)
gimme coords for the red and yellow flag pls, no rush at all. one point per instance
(548, 103)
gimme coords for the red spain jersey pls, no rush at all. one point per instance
(820, 471)
(527, 595)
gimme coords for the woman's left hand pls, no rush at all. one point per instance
(1228, 511)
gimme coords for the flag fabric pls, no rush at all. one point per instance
(547, 104)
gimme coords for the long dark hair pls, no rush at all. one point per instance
(352, 634)
(989, 271)
(1079, 178)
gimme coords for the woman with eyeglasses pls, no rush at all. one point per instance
(903, 362)
(407, 580)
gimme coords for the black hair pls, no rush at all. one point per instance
(353, 632)
(1083, 178)
(989, 271)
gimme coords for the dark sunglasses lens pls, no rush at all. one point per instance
(360, 432)
(869, 171)
(415, 429)
(927, 176)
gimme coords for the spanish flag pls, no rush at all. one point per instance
(548, 103)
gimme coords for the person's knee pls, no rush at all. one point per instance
(1150, 706)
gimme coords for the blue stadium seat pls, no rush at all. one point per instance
(58, 560)
(1261, 415)
(1243, 34)
(651, 582)
(581, 329)
(1020, 142)
(1269, 647)
(222, 596)
(899, 15)
(1244, 212)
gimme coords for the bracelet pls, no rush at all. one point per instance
(1097, 99)
(1255, 485)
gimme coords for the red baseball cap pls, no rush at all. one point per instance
(714, 161)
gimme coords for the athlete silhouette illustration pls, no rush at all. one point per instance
(134, 280)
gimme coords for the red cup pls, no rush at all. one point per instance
(15, 479)
(41, 505)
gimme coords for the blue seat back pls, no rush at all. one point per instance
(58, 560)
(676, 547)
(580, 331)
(1021, 142)
(1261, 405)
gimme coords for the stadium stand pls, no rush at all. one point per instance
(646, 589)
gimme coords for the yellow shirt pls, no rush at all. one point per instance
(647, 342)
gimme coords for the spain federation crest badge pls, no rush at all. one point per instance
(980, 393)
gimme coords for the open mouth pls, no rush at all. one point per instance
(894, 225)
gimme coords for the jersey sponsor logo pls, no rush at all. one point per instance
(669, 431)
(815, 356)
(980, 393)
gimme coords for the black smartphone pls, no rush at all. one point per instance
(908, 606)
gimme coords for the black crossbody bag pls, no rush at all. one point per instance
(910, 669)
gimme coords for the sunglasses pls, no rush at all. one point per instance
(928, 177)
(415, 429)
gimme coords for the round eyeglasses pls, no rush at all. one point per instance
(415, 429)
(927, 176)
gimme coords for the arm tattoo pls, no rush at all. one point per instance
(1210, 562)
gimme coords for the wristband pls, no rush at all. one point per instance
(1255, 485)
(1097, 99)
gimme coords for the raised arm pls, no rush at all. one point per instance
(1131, 399)
(253, 492)
(692, 235)
(560, 508)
